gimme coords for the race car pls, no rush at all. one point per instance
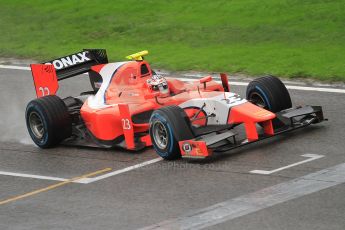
(132, 107)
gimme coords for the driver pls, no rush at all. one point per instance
(157, 83)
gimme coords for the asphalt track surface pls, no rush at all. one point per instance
(51, 189)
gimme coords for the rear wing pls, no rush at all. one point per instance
(47, 75)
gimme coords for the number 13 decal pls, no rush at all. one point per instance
(125, 123)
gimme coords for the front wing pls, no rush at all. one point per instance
(225, 139)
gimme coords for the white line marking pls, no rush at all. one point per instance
(238, 83)
(36, 176)
(14, 67)
(84, 180)
(117, 172)
(329, 90)
(253, 202)
(310, 156)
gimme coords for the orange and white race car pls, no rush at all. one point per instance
(132, 107)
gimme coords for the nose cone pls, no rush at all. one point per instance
(249, 112)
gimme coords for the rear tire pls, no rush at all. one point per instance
(48, 121)
(168, 126)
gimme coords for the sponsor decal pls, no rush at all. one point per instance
(70, 60)
(187, 147)
(198, 152)
(233, 99)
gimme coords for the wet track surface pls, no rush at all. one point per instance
(140, 197)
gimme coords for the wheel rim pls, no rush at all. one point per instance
(36, 125)
(257, 99)
(160, 135)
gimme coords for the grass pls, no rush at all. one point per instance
(289, 38)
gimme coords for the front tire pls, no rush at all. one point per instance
(48, 121)
(168, 126)
(269, 93)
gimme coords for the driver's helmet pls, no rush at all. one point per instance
(157, 83)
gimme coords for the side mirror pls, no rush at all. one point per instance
(204, 80)
(225, 82)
